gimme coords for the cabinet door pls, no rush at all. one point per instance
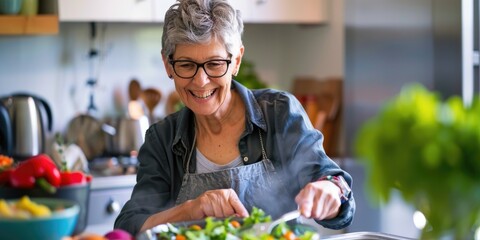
(106, 10)
(289, 11)
(160, 7)
(245, 7)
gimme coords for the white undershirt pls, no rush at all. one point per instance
(206, 166)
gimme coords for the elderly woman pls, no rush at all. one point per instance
(230, 148)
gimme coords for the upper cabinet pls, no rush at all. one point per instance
(106, 10)
(283, 11)
(253, 11)
(160, 8)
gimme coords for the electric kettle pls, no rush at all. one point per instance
(5, 131)
(29, 119)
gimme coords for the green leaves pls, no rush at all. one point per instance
(248, 76)
(429, 150)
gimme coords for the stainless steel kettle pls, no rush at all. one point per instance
(6, 143)
(30, 117)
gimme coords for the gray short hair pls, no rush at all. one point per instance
(200, 21)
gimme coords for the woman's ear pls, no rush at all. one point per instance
(238, 60)
(167, 66)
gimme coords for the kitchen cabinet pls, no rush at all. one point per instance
(253, 11)
(283, 11)
(44, 22)
(106, 10)
(160, 8)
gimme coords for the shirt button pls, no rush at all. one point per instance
(245, 159)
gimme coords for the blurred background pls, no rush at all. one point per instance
(97, 67)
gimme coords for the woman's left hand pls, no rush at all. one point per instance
(319, 200)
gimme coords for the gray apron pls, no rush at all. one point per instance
(256, 185)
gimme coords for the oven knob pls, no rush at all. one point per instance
(113, 206)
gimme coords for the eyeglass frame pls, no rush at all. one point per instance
(199, 65)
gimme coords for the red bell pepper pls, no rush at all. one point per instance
(71, 178)
(5, 177)
(40, 170)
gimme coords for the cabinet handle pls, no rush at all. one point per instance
(113, 206)
(260, 2)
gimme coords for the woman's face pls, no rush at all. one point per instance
(203, 94)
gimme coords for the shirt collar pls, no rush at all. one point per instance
(254, 116)
(254, 112)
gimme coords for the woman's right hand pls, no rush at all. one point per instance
(217, 203)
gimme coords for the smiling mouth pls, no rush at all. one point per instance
(203, 95)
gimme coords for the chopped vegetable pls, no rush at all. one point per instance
(6, 165)
(37, 210)
(5, 210)
(5, 162)
(118, 234)
(231, 229)
(22, 209)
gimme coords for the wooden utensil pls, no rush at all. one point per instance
(135, 108)
(151, 97)
(134, 89)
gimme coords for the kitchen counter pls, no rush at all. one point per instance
(120, 181)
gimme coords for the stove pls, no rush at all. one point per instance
(113, 166)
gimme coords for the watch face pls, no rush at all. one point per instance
(343, 185)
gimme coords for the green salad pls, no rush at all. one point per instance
(234, 229)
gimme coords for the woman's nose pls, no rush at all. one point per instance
(201, 78)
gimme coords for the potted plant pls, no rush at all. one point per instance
(248, 76)
(428, 150)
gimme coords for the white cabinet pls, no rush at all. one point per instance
(106, 10)
(160, 8)
(288, 11)
(253, 11)
(245, 7)
(283, 11)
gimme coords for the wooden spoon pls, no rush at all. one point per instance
(134, 89)
(151, 97)
(135, 108)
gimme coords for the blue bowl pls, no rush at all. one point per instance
(77, 192)
(60, 224)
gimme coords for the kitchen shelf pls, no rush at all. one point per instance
(29, 25)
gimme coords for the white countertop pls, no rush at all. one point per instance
(120, 181)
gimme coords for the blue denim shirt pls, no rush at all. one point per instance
(290, 141)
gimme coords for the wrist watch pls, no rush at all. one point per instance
(341, 183)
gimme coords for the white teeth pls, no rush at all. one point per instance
(204, 94)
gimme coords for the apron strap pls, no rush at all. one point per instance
(191, 151)
(264, 153)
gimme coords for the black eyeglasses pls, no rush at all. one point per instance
(213, 68)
